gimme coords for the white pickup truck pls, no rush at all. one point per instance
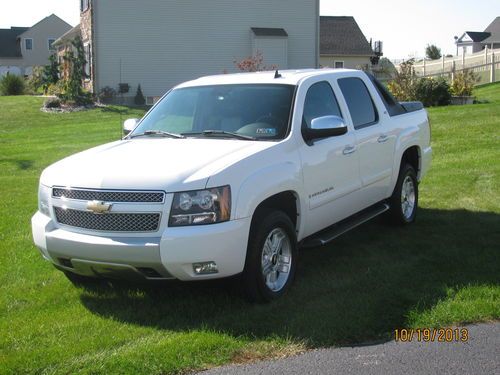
(230, 175)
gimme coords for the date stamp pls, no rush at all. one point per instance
(431, 335)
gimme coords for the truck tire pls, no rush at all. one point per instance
(404, 200)
(271, 256)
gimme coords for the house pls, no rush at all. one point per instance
(343, 45)
(22, 48)
(476, 41)
(160, 43)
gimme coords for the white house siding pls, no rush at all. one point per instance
(162, 43)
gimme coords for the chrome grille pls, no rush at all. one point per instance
(109, 196)
(112, 222)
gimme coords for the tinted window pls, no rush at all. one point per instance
(359, 102)
(320, 101)
(392, 106)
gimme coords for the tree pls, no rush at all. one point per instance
(75, 64)
(139, 97)
(403, 84)
(433, 52)
(253, 63)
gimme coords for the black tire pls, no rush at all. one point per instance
(397, 213)
(80, 280)
(264, 224)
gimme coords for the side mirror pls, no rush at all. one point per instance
(129, 125)
(323, 127)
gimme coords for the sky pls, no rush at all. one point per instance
(405, 27)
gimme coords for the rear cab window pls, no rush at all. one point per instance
(359, 102)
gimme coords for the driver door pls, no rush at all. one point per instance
(330, 165)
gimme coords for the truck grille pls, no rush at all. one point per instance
(109, 196)
(112, 222)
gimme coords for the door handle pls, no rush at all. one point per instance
(383, 138)
(349, 150)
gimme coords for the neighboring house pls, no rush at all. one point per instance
(160, 43)
(22, 48)
(476, 41)
(343, 45)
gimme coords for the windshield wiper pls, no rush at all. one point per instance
(158, 132)
(221, 133)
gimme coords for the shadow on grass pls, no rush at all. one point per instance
(358, 289)
(22, 164)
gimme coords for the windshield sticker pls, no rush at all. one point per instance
(266, 131)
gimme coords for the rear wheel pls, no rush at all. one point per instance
(271, 257)
(404, 200)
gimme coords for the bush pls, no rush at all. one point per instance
(35, 81)
(52, 103)
(107, 94)
(12, 85)
(139, 97)
(404, 82)
(55, 88)
(463, 83)
(432, 92)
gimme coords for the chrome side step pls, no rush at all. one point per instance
(329, 234)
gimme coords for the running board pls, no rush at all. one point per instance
(329, 234)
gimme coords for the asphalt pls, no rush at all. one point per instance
(479, 355)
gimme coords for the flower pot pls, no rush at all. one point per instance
(462, 100)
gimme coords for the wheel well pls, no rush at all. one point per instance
(285, 201)
(412, 157)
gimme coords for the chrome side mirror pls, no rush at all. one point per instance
(129, 125)
(324, 127)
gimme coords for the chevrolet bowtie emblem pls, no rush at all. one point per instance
(99, 207)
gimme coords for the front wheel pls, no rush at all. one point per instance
(404, 200)
(271, 257)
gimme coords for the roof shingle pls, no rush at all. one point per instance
(342, 36)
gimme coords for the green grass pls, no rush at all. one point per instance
(443, 270)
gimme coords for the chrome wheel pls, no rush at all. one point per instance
(276, 261)
(408, 197)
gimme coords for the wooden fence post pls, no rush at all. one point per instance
(452, 71)
(492, 74)
(443, 58)
(424, 68)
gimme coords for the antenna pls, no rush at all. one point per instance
(277, 74)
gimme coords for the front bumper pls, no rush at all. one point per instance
(170, 256)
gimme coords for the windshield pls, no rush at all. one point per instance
(256, 111)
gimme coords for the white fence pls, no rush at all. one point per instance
(486, 65)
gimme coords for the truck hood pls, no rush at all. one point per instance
(150, 164)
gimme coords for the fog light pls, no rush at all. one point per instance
(205, 268)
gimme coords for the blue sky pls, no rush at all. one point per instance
(404, 27)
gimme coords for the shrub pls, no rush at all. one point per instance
(139, 97)
(107, 94)
(11, 85)
(35, 80)
(432, 92)
(463, 83)
(403, 84)
(253, 63)
(55, 88)
(52, 103)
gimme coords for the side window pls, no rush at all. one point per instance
(320, 101)
(28, 44)
(359, 102)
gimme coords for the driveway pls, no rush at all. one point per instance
(479, 355)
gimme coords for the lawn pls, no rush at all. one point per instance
(443, 270)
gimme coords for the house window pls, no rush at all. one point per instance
(28, 44)
(339, 65)
(51, 41)
(88, 61)
(84, 5)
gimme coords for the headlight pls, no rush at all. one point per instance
(43, 199)
(201, 207)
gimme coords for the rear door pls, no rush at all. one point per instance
(374, 140)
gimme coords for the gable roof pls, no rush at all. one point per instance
(53, 18)
(494, 29)
(476, 36)
(8, 41)
(342, 36)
